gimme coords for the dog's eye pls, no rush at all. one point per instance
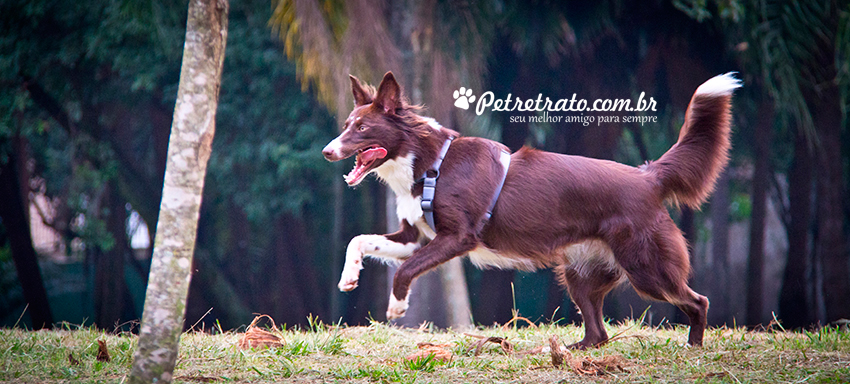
(362, 128)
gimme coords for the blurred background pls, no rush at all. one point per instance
(88, 92)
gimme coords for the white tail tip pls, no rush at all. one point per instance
(719, 85)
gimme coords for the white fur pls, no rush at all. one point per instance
(425, 229)
(398, 175)
(582, 257)
(433, 123)
(396, 308)
(377, 246)
(483, 257)
(719, 85)
(336, 146)
(408, 208)
(590, 255)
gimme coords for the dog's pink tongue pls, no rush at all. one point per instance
(364, 160)
(372, 154)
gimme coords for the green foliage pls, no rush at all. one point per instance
(425, 363)
(696, 9)
(74, 70)
(12, 299)
(267, 151)
(741, 207)
(91, 89)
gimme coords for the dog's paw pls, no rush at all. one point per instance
(395, 313)
(347, 286)
(349, 280)
(463, 97)
(397, 308)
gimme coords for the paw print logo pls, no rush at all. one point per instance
(463, 97)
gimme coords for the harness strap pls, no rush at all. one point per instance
(505, 159)
(430, 183)
(429, 179)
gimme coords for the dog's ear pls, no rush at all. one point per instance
(361, 96)
(389, 94)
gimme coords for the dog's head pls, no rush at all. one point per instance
(369, 131)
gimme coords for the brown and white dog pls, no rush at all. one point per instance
(596, 222)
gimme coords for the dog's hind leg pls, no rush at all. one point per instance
(657, 266)
(587, 285)
(694, 305)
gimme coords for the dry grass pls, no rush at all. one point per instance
(381, 353)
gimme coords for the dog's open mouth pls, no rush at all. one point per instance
(366, 157)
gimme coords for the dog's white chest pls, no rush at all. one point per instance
(398, 175)
(408, 208)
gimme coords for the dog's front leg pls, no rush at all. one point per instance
(396, 246)
(438, 251)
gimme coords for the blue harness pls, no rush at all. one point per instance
(430, 176)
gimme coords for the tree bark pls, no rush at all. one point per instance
(719, 270)
(190, 145)
(14, 218)
(795, 303)
(110, 284)
(831, 247)
(687, 224)
(758, 217)
(824, 99)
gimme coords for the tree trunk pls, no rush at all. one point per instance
(110, 285)
(758, 218)
(190, 145)
(337, 245)
(13, 214)
(719, 268)
(831, 247)
(795, 303)
(688, 226)
(290, 288)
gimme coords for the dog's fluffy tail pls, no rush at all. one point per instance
(688, 171)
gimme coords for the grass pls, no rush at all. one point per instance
(376, 354)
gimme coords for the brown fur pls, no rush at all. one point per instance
(552, 201)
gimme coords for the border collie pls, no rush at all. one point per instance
(597, 223)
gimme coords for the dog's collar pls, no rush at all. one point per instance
(430, 183)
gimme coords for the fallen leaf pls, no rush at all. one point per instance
(596, 367)
(561, 356)
(482, 340)
(102, 352)
(254, 337)
(516, 319)
(258, 338)
(439, 351)
(558, 353)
